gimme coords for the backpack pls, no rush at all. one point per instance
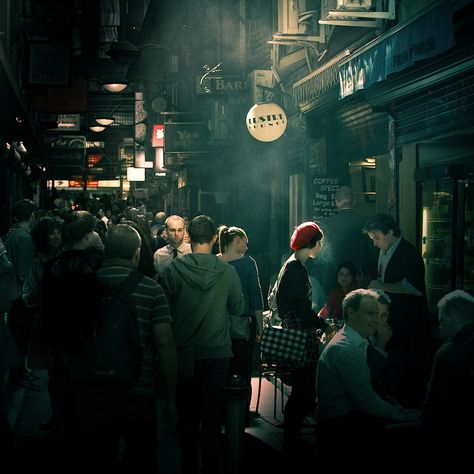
(109, 353)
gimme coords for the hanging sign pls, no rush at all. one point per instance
(158, 136)
(186, 137)
(266, 122)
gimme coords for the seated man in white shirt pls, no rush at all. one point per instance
(176, 248)
(348, 406)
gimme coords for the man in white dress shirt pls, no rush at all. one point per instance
(348, 406)
(176, 247)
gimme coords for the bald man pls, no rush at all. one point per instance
(176, 247)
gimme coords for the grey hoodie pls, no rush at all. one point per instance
(202, 290)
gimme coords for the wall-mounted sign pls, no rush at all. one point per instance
(69, 141)
(323, 197)
(222, 84)
(140, 112)
(66, 156)
(427, 36)
(70, 99)
(186, 137)
(79, 183)
(140, 132)
(266, 122)
(49, 64)
(141, 161)
(70, 122)
(157, 140)
(135, 174)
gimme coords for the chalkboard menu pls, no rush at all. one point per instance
(323, 197)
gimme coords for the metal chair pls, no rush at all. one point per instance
(271, 372)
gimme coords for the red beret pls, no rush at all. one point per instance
(303, 234)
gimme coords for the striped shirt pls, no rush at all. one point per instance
(151, 308)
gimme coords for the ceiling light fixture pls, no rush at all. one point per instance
(115, 84)
(96, 128)
(104, 119)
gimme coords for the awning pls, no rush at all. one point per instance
(420, 38)
(325, 77)
(319, 81)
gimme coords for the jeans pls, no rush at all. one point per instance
(200, 414)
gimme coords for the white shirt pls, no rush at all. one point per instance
(384, 258)
(164, 256)
(343, 380)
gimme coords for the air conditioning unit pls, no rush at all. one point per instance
(288, 11)
(362, 5)
(259, 77)
(358, 13)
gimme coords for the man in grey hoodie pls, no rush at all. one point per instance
(202, 290)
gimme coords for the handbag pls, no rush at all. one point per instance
(285, 346)
(239, 327)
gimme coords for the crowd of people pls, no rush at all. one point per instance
(381, 367)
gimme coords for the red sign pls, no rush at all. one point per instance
(91, 183)
(94, 159)
(158, 139)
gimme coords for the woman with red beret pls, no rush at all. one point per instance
(294, 308)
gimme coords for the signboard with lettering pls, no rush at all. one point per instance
(425, 37)
(72, 99)
(186, 137)
(223, 84)
(66, 156)
(323, 197)
(49, 64)
(79, 183)
(158, 136)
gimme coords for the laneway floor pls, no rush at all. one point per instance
(42, 450)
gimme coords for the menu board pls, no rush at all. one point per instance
(323, 197)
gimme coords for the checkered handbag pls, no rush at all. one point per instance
(284, 346)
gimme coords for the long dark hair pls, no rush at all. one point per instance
(350, 266)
